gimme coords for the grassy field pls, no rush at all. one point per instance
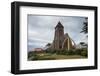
(48, 56)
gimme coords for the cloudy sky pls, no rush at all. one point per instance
(41, 29)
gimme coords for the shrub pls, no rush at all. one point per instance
(78, 51)
(84, 53)
(30, 54)
(70, 52)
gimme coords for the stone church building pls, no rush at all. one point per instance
(61, 40)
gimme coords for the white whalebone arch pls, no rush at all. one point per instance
(69, 40)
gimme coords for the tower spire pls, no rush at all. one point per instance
(59, 25)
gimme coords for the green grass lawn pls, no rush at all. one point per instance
(48, 56)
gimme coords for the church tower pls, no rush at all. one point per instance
(59, 36)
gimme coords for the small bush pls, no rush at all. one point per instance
(78, 51)
(30, 54)
(70, 52)
(84, 53)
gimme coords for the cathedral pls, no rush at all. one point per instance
(61, 40)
